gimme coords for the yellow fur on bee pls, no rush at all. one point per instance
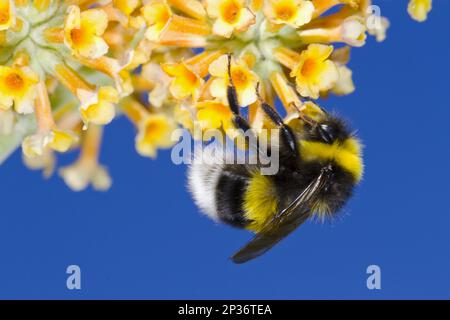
(260, 201)
(347, 154)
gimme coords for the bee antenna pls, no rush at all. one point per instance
(322, 109)
(293, 104)
(302, 116)
(294, 87)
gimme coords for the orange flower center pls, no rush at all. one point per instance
(14, 81)
(230, 11)
(285, 12)
(240, 78)
(190, 77)
(153, 131)
(309, 67)
(4, 17)
(159, 16)
(77, 35)
(164, 15)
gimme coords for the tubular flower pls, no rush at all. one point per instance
(86, 170)
(17, 88)
(186, 82)
(243, 79)
(313, 70)
(419, 9)
(229, 16)
(291, 12)
(214, 115)
(83, 31)
(48, 134)
(7, 16)
(98, 107)
(154, 129)
(157, 14)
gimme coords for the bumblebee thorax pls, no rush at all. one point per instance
(346, 154)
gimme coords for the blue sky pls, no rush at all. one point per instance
(146, 239)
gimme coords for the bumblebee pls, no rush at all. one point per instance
(320, 165)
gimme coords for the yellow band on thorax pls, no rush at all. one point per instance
(347, 154)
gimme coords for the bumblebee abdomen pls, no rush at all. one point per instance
(237, 195)
(261, 201)
(230, 195)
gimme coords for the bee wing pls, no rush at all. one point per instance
(284, 222)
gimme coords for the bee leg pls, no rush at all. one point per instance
(287, 136)
(239, 121)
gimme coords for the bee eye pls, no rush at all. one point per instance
(326, 133)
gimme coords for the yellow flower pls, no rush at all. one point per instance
(344, 85)
(192, 8)
(312, 69)
(79, 175)
(419, 9)
(157, 82)
(167, 28)
(86, 170)
(186, 82)
(214, 115)
(183, 115)
(83, 31)
(379, 29)
(157, 14)
(230, 16)
(155, 131)
(98, 107)
(322, 6)
(7, 14)
(45, 162)
(291, 12)
(243, 78)
(126, 6)
(17, 87)
(48, 134)
(352, 32)
(58, 140)
(343, 26)
(285, 92)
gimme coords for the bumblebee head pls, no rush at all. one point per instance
(328, 130)
(329, 139)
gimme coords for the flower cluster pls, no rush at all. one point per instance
(64, 65)
(419, 9)
(67, 68)
(294, 50)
